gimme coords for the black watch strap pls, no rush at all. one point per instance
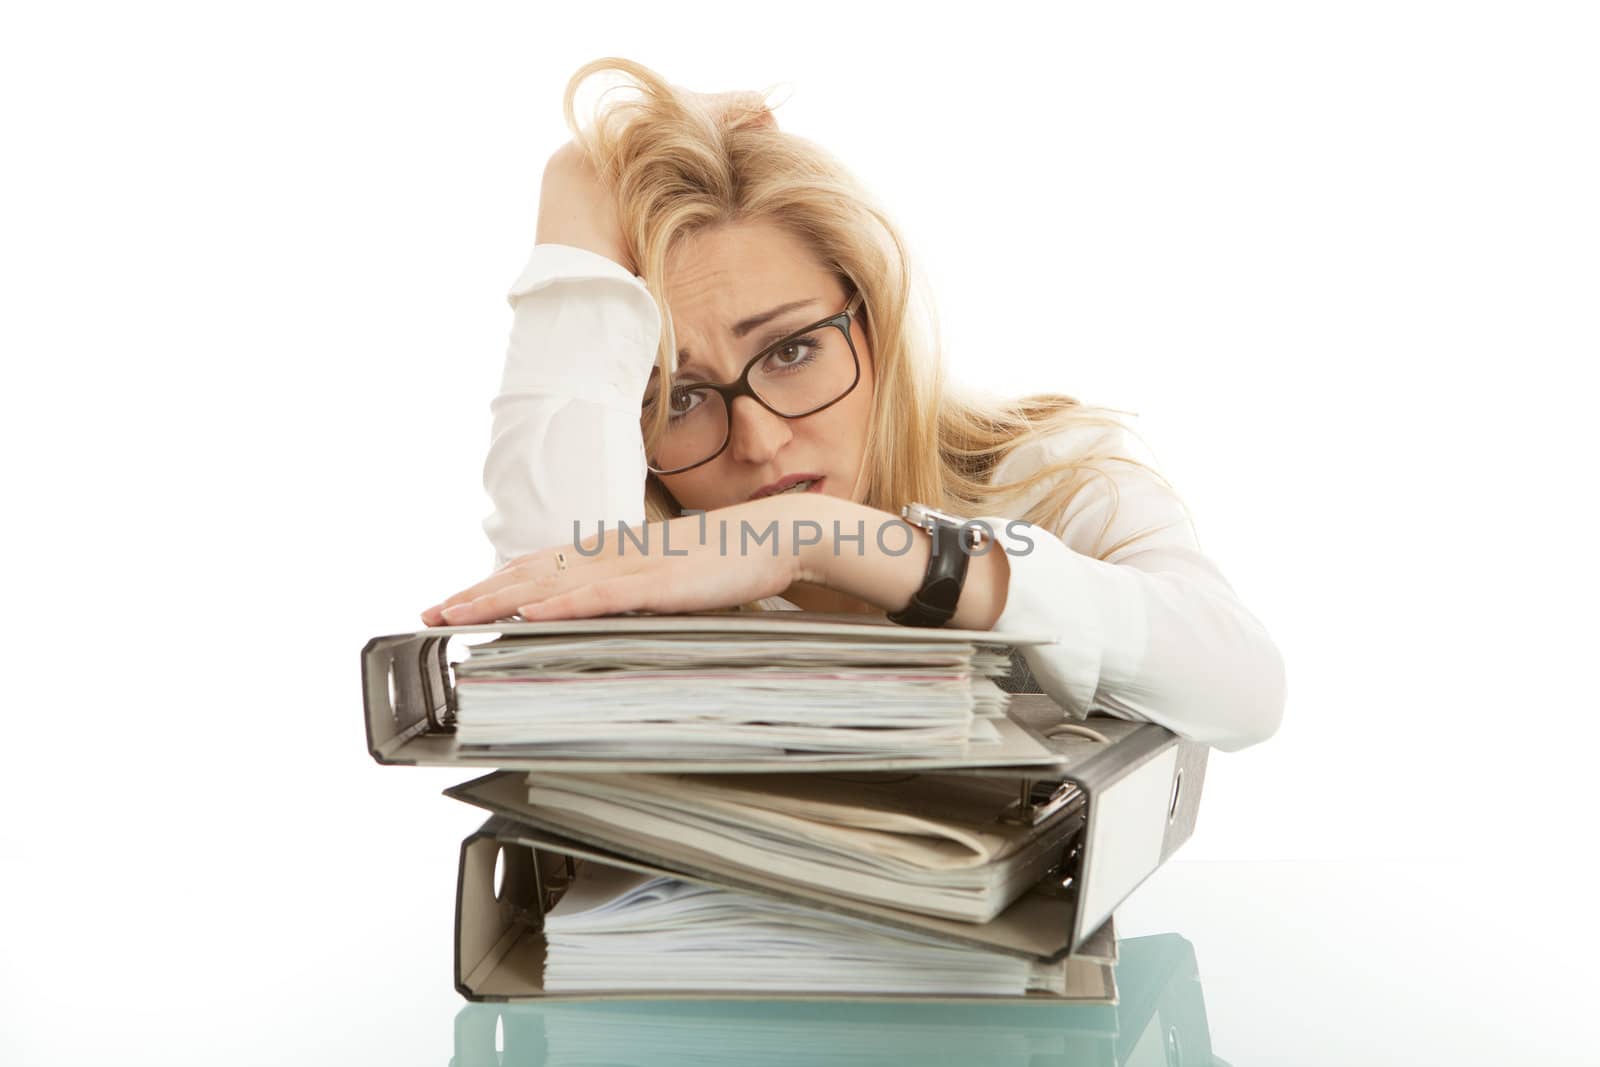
(934, 603)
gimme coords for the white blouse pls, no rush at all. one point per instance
(1154, 633)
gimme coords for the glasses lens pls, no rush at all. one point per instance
(796, 377)
(806, 372)
(696, 427)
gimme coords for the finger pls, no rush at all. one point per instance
(529, 566)
(593, 574)
(613, 596)
(725, 103)
(501, 602)
(434, 616)
(522, 569)
(498, 604)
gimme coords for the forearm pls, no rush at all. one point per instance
(874, 556)
(565, 443)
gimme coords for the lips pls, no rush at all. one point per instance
(786, 481)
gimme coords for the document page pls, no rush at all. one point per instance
(936, 844)
(618, 929)
(728, 695)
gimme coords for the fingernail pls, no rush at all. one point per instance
(455, 612)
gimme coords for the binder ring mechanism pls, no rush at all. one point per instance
(1039, 800)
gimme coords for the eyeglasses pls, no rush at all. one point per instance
(807, 371)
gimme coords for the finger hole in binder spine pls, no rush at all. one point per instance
(1077, 730)
(394, 694)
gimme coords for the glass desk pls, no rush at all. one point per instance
(1269, 963)
(1240, 963)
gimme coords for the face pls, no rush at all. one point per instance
(728, 274)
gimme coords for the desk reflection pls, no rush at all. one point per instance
(1159, 1021)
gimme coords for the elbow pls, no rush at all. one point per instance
(1232, 676)
(1229, 702)
(1258, 694)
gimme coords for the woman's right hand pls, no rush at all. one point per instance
(575, 208)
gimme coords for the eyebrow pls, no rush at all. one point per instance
(744, 327)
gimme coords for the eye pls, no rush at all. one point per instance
(683, 401)
(796, 352)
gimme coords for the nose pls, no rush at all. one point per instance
(754, 433)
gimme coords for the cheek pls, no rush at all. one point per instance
(841, 428)
(685, 488)
(859, 405)
(839, 436)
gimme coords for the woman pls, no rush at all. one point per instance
(768, 272)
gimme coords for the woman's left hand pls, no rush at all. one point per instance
(673, 572)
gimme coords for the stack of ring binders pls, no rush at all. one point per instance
(1109, 804)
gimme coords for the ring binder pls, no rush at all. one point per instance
(499, 941)
(409, 696)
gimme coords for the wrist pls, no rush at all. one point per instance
(859, 552)
(984, 594)
(963, 584)
(943, 587)
(807, 521)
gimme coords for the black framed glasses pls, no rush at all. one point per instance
(807, 371)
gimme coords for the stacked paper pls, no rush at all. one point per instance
(731, 695)
(618, 929)
(935, 844)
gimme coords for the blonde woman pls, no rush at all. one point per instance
(721, 390)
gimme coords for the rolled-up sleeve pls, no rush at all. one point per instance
(564, 442)
(1154, 632)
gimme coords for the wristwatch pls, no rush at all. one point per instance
(953, 542)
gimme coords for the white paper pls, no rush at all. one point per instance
(618, 929)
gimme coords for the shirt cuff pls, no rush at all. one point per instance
(552, 262)
(1054, 589)
(585, 328)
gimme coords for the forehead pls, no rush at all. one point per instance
(721, 275)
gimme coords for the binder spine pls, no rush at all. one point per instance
(1183, 808)
(406, 689)
(491, 919)
(1144, 798)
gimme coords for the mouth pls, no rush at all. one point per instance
(794, 483)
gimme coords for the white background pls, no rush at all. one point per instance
(1340, 258)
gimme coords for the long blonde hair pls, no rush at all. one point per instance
(676, 164)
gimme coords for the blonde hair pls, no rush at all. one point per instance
(677, 164)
